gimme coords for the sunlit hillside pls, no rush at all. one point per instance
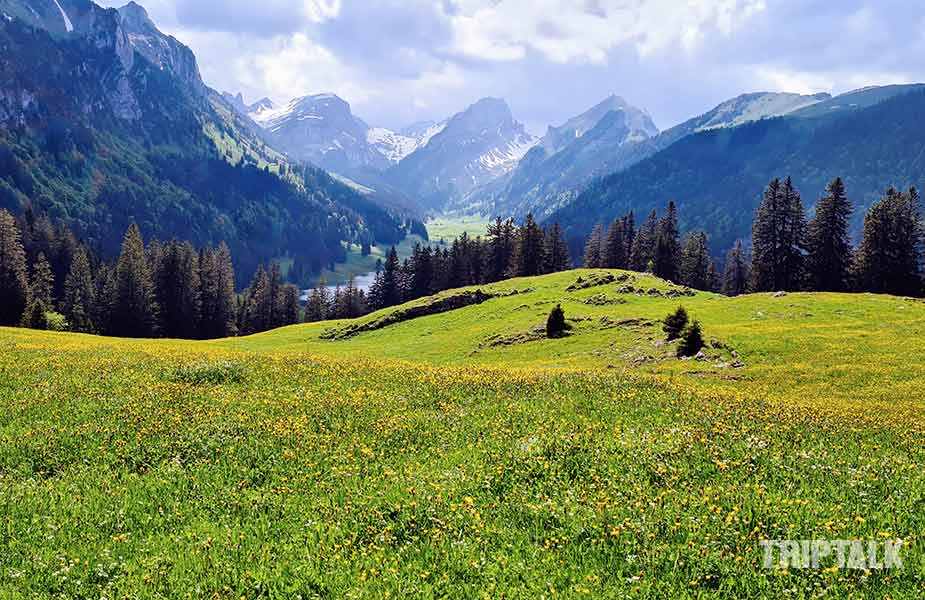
(464, 455)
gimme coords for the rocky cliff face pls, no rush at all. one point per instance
(476, 146)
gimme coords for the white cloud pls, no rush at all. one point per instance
(319, 11)
(586, 31)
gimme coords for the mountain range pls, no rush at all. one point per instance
(871, 138)
(104, 121)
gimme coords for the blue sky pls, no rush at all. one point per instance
(400, 61)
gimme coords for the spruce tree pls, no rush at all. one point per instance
(735, 276)
(317, 307)
(556, 254)
(713, 278)
(556, 326)
(222, 317)
(675, 323)
(777, 239)
(258, 304)
(642, 254)
(14, 281)
(629, 236)
(288, 305)
(691, 340)
(36, 316)
(667, 245)
(695, 262)
(530, 251)
(829, 254)
(422, 271)
(177, 284)
(614, 254)
(501, 240)
(276, 291)
(78, 303)
(593, 258)
(42, 282)
(390, 288)
(889, 259)
(134, 305)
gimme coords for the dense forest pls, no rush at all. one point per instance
(51, 280)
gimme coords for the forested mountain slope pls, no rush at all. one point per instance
(716, 176)
(108, 122)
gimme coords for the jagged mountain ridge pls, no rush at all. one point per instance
(115, 126)
(476, 146)
(608, 138)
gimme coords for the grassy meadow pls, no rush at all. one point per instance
(461, 455)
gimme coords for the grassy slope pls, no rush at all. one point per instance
(401, 463)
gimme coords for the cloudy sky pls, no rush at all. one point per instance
(400, 61)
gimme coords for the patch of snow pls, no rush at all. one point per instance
(67, 21)
(396, 146)
(503, 159)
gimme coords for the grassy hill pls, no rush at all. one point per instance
(462, 455)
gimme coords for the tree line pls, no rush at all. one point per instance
(787, 253)
(507, 250)
(51, 280)
(656, 247)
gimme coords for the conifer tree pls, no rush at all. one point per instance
(889, 259)
(104, 292)
(276, 290)
(317, 307)
(177, 284)
(529, 252)
(217, 293)
(288, 305)
(14, 281)
(713, 278)
(556, 326)
(258, 304)
(78, 304)
(829, 254)
(735, 276)
(134, 307)
(691, 340)
(390, 286)
(667, 245)
(35, 316)
(422, 271)
(614, 254)
(695, 262)
(675, 323)
(777, 239)
(501, 241)
(642, 254)
(556, 254)
(593, 258)
(42, 282)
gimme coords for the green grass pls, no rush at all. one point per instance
(444, 229)
(419, 461)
